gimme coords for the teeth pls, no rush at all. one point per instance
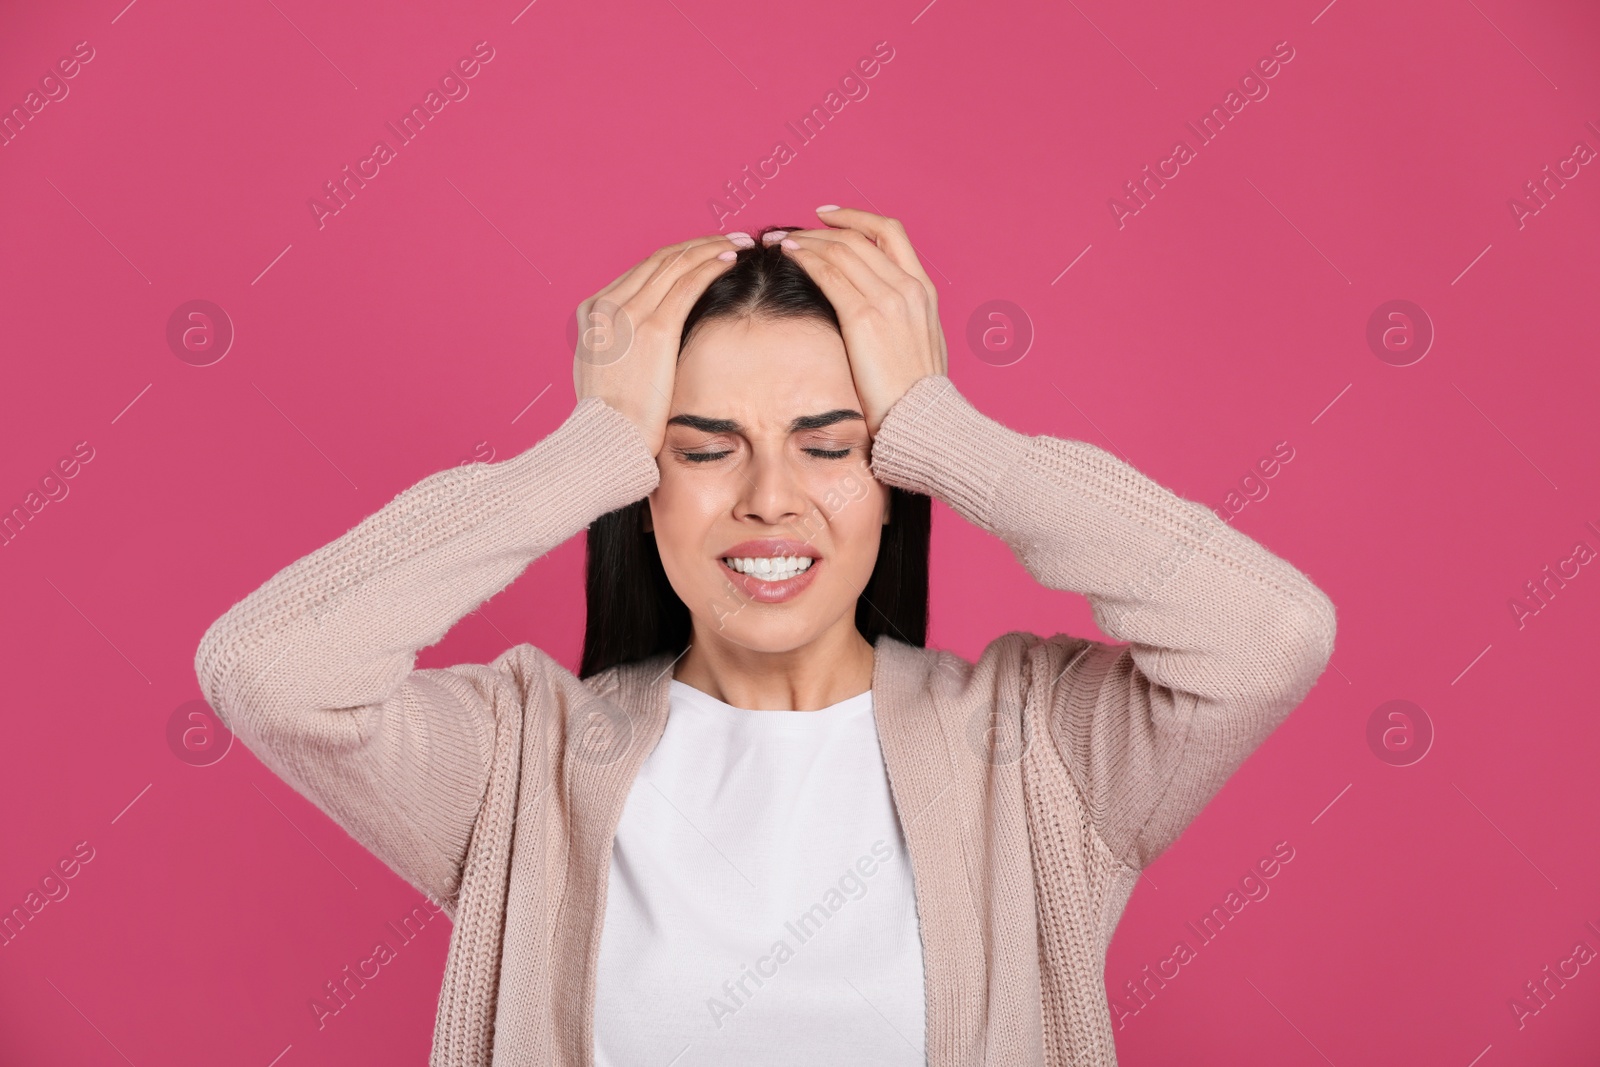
(770, 568)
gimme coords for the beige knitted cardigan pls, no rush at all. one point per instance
(1031, 786)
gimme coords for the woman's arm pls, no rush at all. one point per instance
(1225, 638)
(314, 670)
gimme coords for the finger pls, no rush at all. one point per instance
(888, 286)
(687, 259)
(913, 290)
(690, 284)
(664, 259)
(632, 280)
(854, 265)
(867, 249)
(830, 278)
(631, 300)
(676, 304)
(586, 308)
(877, 252)
(623, 285)
(888, 234)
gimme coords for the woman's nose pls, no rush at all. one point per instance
(771, 491)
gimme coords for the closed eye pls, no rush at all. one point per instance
(820, 453)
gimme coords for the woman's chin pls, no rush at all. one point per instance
(769, 636)
(767, 628)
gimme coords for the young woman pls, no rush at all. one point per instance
(764, 823)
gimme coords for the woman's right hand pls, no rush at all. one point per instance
(628, 332)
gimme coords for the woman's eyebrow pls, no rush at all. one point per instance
(827, 418)
(802, 422)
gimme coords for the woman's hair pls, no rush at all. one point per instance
(633, 611)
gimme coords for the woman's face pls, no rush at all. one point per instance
(767, 516)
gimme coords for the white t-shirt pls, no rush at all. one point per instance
(760, 905)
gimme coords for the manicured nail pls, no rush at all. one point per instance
(742, 239)
(791, 245)
(827, 207)
(729, 254)
(774, 236)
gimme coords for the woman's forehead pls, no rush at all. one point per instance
(760, 338)
(777, 368)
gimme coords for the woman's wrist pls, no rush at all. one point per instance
(595, 461)
(934, 441)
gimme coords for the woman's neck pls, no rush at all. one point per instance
(835, 666)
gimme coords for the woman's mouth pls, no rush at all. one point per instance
(771, 579)
(770, 568)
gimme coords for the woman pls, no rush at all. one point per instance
(765, 824)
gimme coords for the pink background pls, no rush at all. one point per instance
(413, 329)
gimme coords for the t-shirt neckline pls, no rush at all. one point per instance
(696, 698)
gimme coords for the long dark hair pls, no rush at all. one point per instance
(633, 611)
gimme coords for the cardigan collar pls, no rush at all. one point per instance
(922, 781)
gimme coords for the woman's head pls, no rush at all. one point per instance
(764, 459)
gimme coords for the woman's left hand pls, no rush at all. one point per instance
(888, 309)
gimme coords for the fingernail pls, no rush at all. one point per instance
(789, 244)
(742, 239)
(827, 207)
(774, 236)
(729, 254)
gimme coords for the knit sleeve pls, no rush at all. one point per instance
(314, 671)
(1223, 638)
